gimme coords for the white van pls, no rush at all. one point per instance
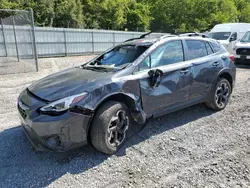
(229, 33)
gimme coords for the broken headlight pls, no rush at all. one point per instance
(62, 105)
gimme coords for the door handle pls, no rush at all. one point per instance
(184, 71)
(215, 64)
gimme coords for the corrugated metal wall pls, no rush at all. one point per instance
(53, 42)
(8, 44)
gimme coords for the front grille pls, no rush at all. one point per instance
(23, 110)
(243, 51)
(242, 61)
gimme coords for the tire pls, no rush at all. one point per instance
(220, 95)
(108, 132)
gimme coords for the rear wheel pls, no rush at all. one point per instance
(110, 126)
(220, 95)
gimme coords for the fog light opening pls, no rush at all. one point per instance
(53, 142)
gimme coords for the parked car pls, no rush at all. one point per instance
(99, 101)
(229, 33)
(242, 49)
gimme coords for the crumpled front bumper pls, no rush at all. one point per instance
(46, 132)
(57, 133)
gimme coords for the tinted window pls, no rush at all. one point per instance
(209, 49)
(220, 35)
(196, 49)
(169, 53)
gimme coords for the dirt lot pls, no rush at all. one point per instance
(194, 147)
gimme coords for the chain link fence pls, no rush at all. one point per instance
(17, 42)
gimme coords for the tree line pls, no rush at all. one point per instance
(135, 15)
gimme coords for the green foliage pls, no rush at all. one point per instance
(135, 15)
(191, 15)
(243, 7)
(68, 13)
(44, 13)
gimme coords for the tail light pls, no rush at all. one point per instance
(232, 58)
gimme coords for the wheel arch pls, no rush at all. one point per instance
(132, 103)
(119, 97)
(227, 76)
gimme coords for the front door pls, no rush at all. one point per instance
(164, 78)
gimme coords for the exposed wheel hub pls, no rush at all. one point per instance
(117, 128)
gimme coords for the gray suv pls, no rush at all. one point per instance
(102, 100)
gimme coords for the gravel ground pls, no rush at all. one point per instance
(195, 147)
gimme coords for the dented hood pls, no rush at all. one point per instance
(69, 82)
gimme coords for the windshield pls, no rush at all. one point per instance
(119, 56)
(220, 35)
(246, 37)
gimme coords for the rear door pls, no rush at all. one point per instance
(172, 88)
(206, 65)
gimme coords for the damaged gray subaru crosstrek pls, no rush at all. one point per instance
(101, 100)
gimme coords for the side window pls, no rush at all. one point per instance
(173, 53)
(145, 64)
(209, 49)
(169, 53)
(196, 49)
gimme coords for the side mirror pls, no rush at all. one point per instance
(233, 38)
(155, 77)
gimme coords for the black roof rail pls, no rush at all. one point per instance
(194, 34)
(141, 37)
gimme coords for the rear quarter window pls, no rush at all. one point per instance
(209, 49)
(216, 46)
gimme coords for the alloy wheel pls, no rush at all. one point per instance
(117, 128)
(222, 94)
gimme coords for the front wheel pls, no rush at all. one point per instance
(110, 126)
(220, 95)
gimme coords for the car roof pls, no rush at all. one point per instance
(151, 40)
